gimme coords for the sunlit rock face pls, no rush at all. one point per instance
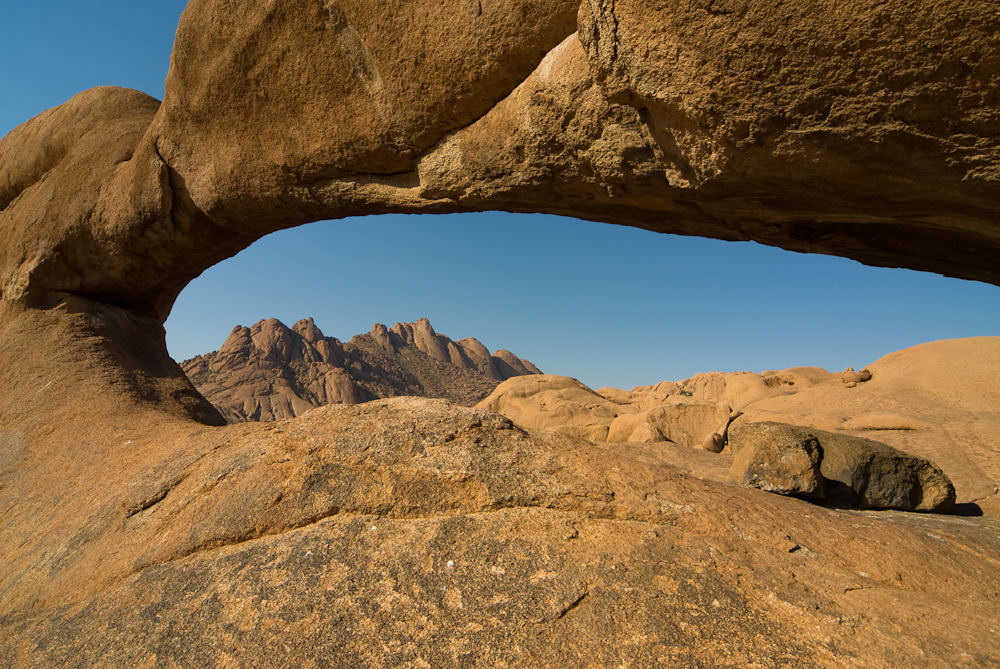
(269, 371)
(421, 533)
(934, 402)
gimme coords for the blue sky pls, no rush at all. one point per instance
(609, 305)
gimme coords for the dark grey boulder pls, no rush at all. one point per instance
(852, 470)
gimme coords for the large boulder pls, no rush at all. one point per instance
(686, 423)
(937, 401)
(849, 376)
(553, 403)
(793, 460)
(870, 474)
(770, 457)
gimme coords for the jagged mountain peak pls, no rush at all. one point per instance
(269, 371)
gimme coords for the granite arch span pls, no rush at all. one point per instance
(866, 129)
(738, 121)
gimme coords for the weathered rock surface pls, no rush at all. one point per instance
(414, 531)
(933, 402)
(553, 403)
(938, 401)
(777, 458)
(713, 443)
(784, 125)
(268, 372)
(798, 461)
(694, 413)
(850, 376)
(863, 129)
(873, 475)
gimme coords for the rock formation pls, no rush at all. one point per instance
(777, 458)
(935, 401)
(269, 372)
(137, 531)
(695, 412)
(418, 531)
(725, 122)
(935, 391)
(849, 376)
(841, 468)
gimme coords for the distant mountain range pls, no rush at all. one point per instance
(269, 371)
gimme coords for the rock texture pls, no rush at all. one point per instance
(850, 376)
(269, 372)
(791, 460)
(417, 532)
(740, 121)
(938, 401)
(779, 459)
(137, 531)
(934, 402)
(694, 413)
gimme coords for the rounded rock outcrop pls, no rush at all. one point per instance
(849, 376)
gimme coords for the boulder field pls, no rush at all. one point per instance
(137, 529)
(937, 402)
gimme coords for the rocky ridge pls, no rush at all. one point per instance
(269, 372)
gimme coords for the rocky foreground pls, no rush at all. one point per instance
(269, 371)
(415, 532)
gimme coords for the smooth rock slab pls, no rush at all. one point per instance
(413, 533)
(521, 588)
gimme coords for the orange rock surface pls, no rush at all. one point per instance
(136, 529)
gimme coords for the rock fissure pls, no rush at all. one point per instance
(569, 606)
(404, 513)
(132, 509)
(227, 542)
(170, 185)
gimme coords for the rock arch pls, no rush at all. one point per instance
(133, 535)
(736, 120)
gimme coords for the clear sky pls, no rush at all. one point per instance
(611, 306)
